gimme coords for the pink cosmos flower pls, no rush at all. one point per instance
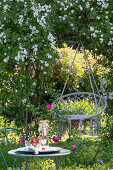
(76, 123)
(22, 139)
(73, 147)
(48, 106)
(55, 139)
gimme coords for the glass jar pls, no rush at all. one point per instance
(43, 133)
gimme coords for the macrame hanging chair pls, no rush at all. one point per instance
(80, 106)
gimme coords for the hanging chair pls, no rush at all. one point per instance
(80, 106)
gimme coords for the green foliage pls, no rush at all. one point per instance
(79, 78)
(70, 107)
(107, 131)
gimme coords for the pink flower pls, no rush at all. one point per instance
(22, 139)
(48, 106)
(73, 147)
(76, 123)
(59, 137)
(55, 139)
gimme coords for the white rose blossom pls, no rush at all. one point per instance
(5, 7)
(5, 60)
(45, 72)
(111, 95)
(87, 5)
(49, 56)
(34, 83)
(24, 101)
(46, 64)
(91, 29)
(42, 67)
(80, 7)
(42, 61)
(101, 40)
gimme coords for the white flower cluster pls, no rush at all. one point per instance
(1, 26)
(5, 60)
(49, 56)
(5, 7)
(87, 5)
(3, 36)
(46, 64)
(91, 29)
(22, 54)
(33, 29)
(101, 39)
(111, 95)
(37, 11)
(24, 101)
(21, 19)
(52, 40)
(102, 3)
(81, 8)
(34, 83)
(35, 47)
(63, 17)
(110, 42)
(63, 6)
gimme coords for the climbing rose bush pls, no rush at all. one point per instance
(29, 34)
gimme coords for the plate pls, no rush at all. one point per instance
(47, 150)
(50, 149)
(26, 149)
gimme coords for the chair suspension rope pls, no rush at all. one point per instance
(70, 70)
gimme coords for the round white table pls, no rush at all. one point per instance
(21, 153)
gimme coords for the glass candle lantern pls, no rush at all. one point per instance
(43, 133)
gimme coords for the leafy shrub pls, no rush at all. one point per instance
(70, 107)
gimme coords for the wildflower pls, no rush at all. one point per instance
(101, 40)
(76, 123)
(55, 139)
(45, 72)
(101, 161)
(24, 100)
(73, 147)
(59, 137)
(6, 59)
(34, 84)
(48, 106)
(22, 140)
(80, 7)
(91, 29)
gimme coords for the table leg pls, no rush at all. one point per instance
(27, 164)
(20, 163)
(56, 163)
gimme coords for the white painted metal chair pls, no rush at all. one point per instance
(80, 106)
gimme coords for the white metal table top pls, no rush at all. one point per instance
(17, 152)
